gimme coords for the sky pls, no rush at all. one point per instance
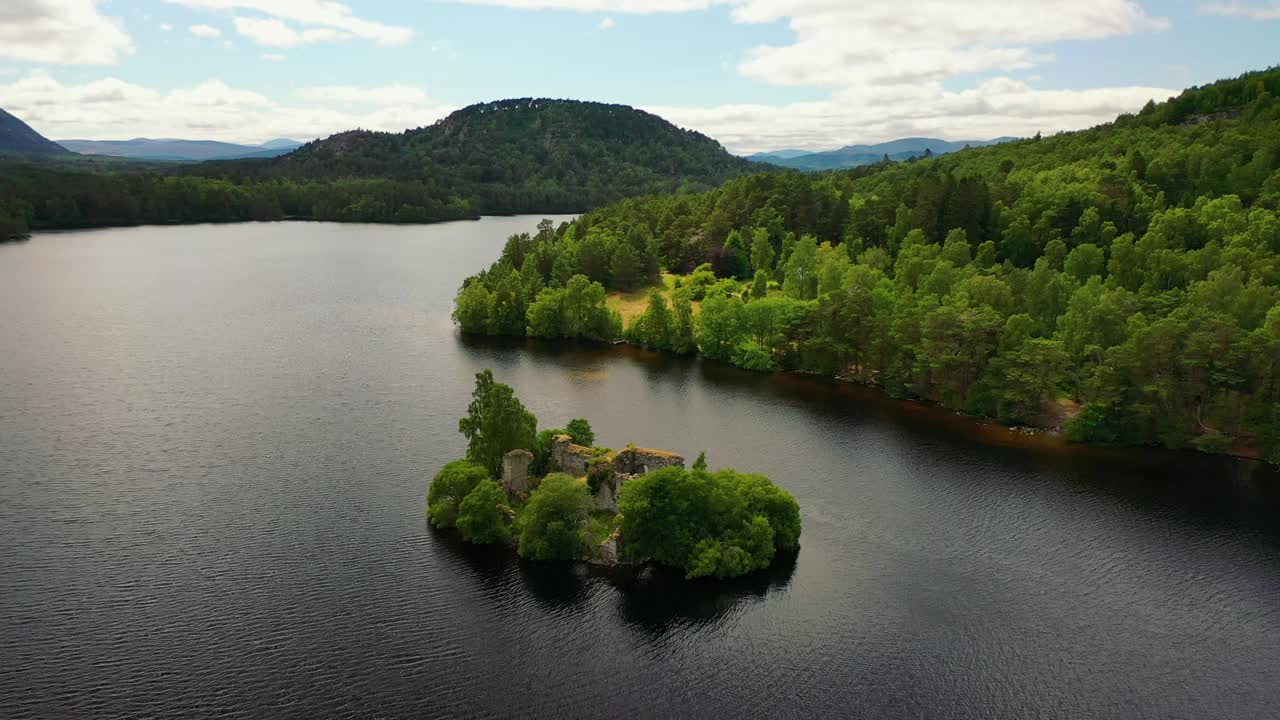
(754, 74)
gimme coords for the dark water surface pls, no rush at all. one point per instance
(215, 443)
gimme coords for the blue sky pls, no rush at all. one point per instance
(755, 74)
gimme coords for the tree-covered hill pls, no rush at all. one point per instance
(1124, 280)
(525, 155)
(17, 138)
(512, 156)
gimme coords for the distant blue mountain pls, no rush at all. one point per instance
(856, 155)
(173, 149)
(779, 155)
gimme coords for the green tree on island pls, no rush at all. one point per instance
(481, 516)
(580, 430)
(451, 485)
(721, 524)
(496, 423)
(553, 523)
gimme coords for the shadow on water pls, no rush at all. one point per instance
(654, 599)
(658, 600)
(555, 586)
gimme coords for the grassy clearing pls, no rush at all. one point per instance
(631, 304)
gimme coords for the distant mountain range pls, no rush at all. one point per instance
(856, 155)
(17, 138)
(175, 149)
(780, 155)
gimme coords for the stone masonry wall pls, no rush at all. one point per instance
(569, 458)
(638, 461)
(515, 472)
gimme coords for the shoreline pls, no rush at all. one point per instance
(978, 428)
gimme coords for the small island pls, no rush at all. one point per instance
(554, 496)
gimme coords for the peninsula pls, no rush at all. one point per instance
(1113, 283)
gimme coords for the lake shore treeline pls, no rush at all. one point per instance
(1121, 282)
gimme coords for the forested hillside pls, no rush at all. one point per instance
(1123, 278)
(512, 156)
(526, 155)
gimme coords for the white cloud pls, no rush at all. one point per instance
(888, 65)
(166, 27)
(621, 6)
(997, 107)
(273, 57)
(1268, 11)
(608, 24)
(842, 43)
(63, 32)
(273, 33)
(395, 95)
(111, 109)
(205, 31)
(327, 21)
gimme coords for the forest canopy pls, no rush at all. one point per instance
(1124, 278)
(505, 157)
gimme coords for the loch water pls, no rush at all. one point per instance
(215, 443)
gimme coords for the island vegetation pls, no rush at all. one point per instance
(1121, 282)
(590, 503)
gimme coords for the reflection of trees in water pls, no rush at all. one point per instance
(556, 586)
(657, 601)
(490, 564)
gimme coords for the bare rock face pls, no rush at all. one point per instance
(515, 472)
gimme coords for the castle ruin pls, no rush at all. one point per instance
(608, 471)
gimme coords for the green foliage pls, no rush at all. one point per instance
(699, 281)
(739, 255)
(760, 285)
(599, 471)
(553, 523)
(653, 327)
(580, 430)
(512, 156)
(700, 464)
(1132, 268)
(471, 309)
(576, 311)
(482, 515)
(496, 423)
(451, 485)
(800, 280)
(542, 445)
(683, 335)
(762, 251)
(721, 524)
